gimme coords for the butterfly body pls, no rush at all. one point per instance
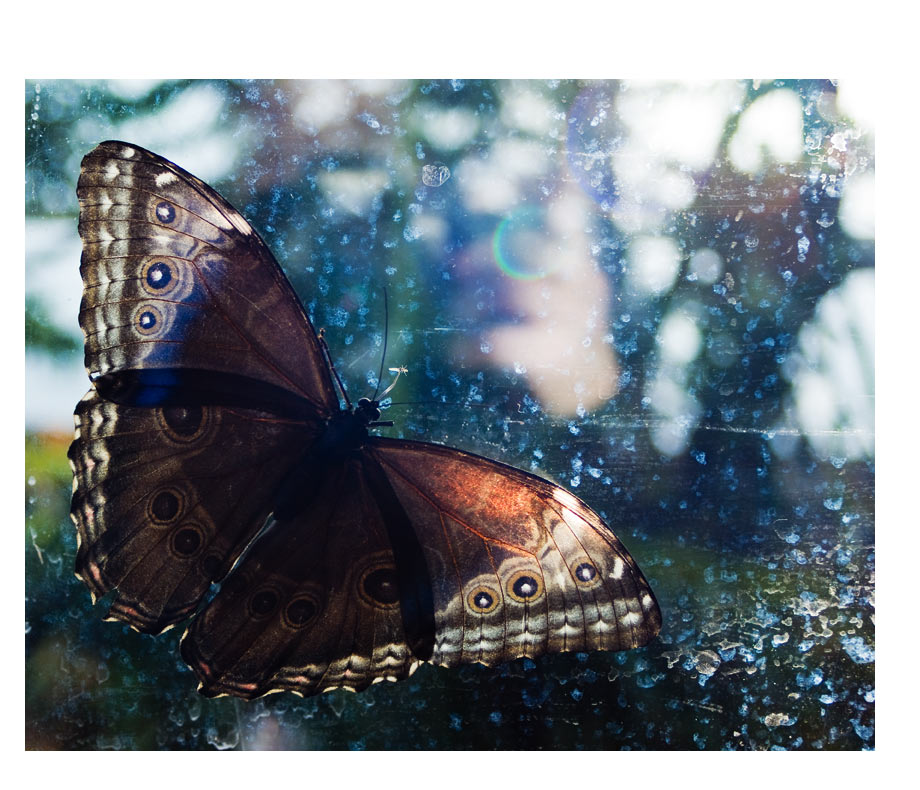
(213, 448)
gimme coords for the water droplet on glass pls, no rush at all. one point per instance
(435, 175)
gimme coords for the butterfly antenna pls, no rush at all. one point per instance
(398, 371)
(386, 334)
(322, 341)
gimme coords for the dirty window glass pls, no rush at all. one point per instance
(658, 294)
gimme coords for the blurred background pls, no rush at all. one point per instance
(658, 294)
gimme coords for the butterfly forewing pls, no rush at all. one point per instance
(174, 278)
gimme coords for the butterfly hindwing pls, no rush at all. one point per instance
(520, 566)
(517, 567)
(165, 499)
(313, 605)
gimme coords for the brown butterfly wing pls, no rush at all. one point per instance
(208, 383)
(312, 605)
(515, 566)
(175, 279)
(519, 566)
(165, 499)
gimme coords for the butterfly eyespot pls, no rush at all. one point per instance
(165, 212)
(187, 541)
(147, 320)
(263, 603)
(210, 565)
(184, 423)
(159, 277)
(525, 587)
(378, 587)
(483, 600)
(300, 612)
(165, 506)
(585, 574)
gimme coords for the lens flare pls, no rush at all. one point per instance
(521, 246)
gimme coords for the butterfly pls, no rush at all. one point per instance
(213, 447)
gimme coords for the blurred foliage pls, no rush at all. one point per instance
(761, 553)
(42, 334)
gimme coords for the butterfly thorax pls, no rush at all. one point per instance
(343, 434)
(342, 437)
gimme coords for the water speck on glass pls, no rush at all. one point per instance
(485, 347)
(864, 731)
(809, 679)
(369, 120)
(779, 719)
(412, 232)
(434, 175)
(780, 639)
(857, 649)
(337, 316)
(833, 503)
(223, 736)
(844, 555)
